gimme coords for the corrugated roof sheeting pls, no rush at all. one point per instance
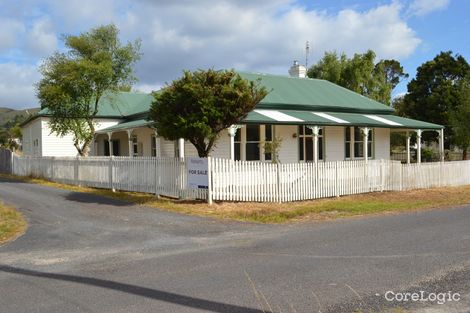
(291, 117)
(312, 95)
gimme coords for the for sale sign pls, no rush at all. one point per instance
(197, 173)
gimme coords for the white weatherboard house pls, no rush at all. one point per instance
(315, 119)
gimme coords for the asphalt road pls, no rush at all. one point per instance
(84, 253)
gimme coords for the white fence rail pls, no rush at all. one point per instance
(256, 181)
(245, 181)
(162, 176)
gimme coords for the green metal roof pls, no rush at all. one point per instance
(125, 126)
(295, 117)
(297, 101)
(313, 95)
(119, 104)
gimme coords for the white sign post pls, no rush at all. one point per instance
(198, 173)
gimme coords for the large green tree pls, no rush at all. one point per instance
(435, 92)
(360, 74)
(199, 105)
(73, 83)
(460, 118)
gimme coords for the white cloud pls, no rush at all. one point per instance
(10, 30)
(17, 85)
(251, 35)
(147, 88)
(423, 7)
(264, 38)
(41, 38)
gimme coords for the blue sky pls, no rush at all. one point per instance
(251, 35)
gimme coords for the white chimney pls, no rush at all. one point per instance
(298, 70)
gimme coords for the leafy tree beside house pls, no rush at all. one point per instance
(73, 83)
(460, 118)
(199, 105)
(435, 92)
(360, 74)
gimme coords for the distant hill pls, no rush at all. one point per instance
(10, 115)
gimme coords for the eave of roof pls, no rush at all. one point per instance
(125, 126)
(292, 117)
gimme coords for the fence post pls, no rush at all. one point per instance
(382, 175)
(110, 173)
(336, 179)
(52, 168)
(209, 181)
(75, 171)
(12, 166)
(278, 182)
(440, 173)
(157, 178)
(402, 170)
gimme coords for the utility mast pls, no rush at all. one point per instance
(307, 51)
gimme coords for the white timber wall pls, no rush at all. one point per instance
(49, 143)
(32, 132)
(222, 146)
(53, 145)
(289, 150)
(144, 140)
(333, 141)
(382, 143)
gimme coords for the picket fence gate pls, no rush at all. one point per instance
(241, 180)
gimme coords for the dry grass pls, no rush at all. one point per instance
(12, 223)
(322, 209)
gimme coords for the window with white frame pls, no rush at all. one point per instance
(354, 143)
(238, 144)
(268, 137)
(306, 143)
(153, 145)
(248, 142)
(135, 146)
(252, 147)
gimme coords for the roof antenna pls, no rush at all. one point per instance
(307, 51)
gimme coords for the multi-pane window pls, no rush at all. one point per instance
(135, 146)
(268, 137)
(252, 149)
(248, 142)
(115, 144)
(354, 140)
(306, 143)
(153, 145)
(238, 144)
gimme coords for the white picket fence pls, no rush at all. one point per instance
(245, 181)
(162, 176)
(256, 181)
(267, 182)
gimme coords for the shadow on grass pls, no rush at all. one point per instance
(150, 293)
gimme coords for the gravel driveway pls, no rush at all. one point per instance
(85, 253)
